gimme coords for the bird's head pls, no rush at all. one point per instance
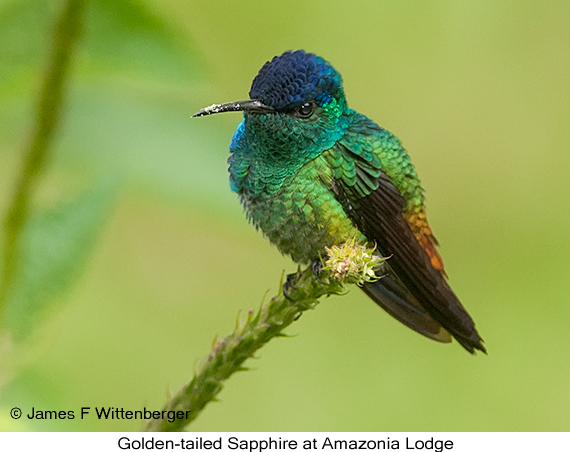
(296, 106)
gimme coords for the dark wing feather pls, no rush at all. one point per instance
(397, 301)
(413, 291)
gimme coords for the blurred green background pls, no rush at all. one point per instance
(479, 92)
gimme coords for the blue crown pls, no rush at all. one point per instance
(293, 78)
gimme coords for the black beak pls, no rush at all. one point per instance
(253, 106)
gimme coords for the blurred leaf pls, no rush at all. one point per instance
(153, 141)
(125, 37)
(134, 89)
(55, 246)
(128, 37)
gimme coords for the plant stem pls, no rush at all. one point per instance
(229, 354)
(66, 34)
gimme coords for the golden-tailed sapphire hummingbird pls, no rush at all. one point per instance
(312, 173)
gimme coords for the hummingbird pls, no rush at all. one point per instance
(311, 173)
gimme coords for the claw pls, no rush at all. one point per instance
(317, 267)
(288, 284)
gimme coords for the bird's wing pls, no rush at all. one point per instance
(414, 291)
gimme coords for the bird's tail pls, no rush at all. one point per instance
(395, 299)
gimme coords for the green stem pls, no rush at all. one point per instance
(48, 114)
(229, 354)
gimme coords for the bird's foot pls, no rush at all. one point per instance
(292, 278)
(317, 267)
(289, 285)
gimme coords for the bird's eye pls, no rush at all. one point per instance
(305, 110)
